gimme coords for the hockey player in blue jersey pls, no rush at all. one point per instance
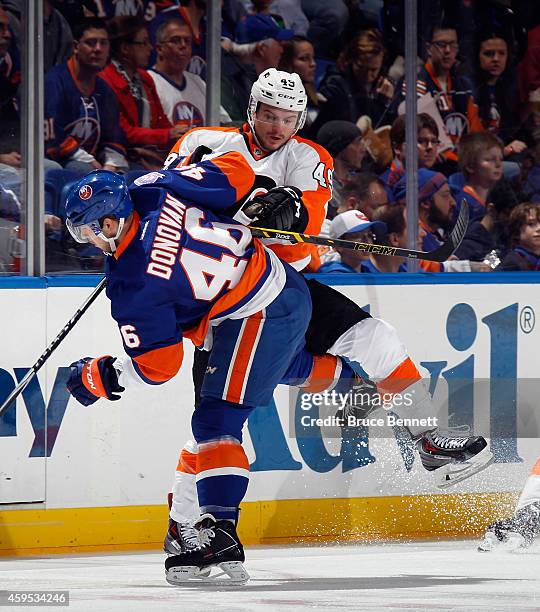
(178, 267)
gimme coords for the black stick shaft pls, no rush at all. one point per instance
(52, 347)
(440, 254)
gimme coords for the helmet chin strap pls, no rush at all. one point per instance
(112, 241)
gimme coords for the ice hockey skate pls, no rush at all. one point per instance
(513, 533)
(454, 455)
(221, 549)
(182, 537)
(363, 396)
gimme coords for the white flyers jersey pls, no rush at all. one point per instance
(298, 163)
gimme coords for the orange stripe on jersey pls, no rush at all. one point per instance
(187, 462)
(130, 234)
(225, 453)
(238, 172)
(178, 143)
(323, 373)
(402, 377)
(251, 276)
(161, 364)
(536, 469)
(67, 146)
(247, 344)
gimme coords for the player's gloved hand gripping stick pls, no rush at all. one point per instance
(52, 346)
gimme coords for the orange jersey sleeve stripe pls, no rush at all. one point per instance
(323, 373)
(187, 462)
(238, 172)
(222, 454)
(252, 274)
(536, 469)
(161, 364)
(245, 348)
(402, 377)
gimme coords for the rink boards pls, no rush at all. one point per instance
(73, 477)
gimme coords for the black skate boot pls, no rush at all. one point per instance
(515, 532)
(456, 456)
(221, 548)
(180, 537)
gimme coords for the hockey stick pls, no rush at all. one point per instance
(52, 346)
(439, 254)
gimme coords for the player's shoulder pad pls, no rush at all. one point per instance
(316, 149)
(216, 183)
(209, 136)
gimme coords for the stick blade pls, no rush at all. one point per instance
(454, 240)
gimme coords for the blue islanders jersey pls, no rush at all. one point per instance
(74, 120)
(184, 266)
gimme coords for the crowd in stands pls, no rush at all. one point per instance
(125, 79)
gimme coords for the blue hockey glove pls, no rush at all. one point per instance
(92, 378)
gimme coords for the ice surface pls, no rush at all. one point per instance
(417, 576)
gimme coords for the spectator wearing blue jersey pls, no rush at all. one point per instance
(82, 120)
(352, 225)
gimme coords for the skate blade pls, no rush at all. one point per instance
(514, 542)
(489, 543)
(451, 476)
(232, 573)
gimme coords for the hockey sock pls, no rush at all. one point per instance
(222, 477)
(185, 505)
(327, 372)
(410, 396)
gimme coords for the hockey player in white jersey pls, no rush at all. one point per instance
(338, 326)
(519, 530)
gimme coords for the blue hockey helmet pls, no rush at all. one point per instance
(95, 196)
